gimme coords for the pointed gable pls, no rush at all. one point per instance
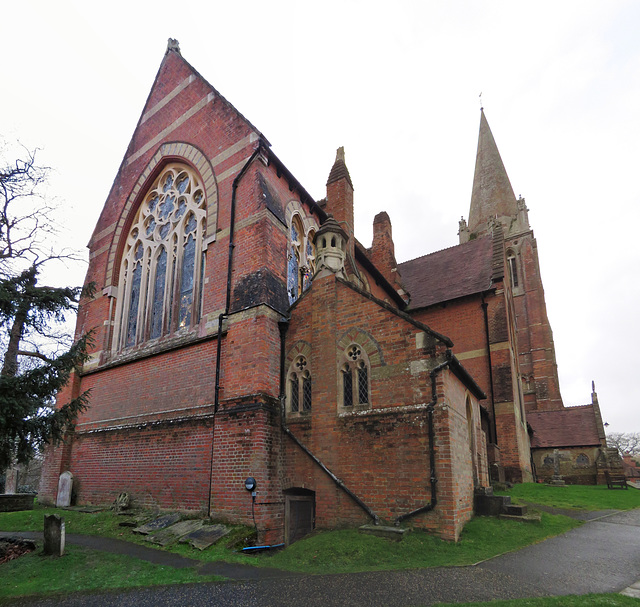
(492, 194)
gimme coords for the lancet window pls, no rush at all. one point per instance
(162, 269)
(299, 386)
(301, 259)
(355, 377)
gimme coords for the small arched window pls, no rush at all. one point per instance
(355, 377)
(162, 269)
(301, 259)
(582, 460)
(299, 386)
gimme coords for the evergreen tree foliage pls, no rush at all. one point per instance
(37, 361)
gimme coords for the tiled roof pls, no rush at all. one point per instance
(448, 274)
(568, 427)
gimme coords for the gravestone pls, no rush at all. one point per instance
(206, 536)
(65, 485)
(556, 480)
(159, 523)
(54, 535)
(11, 481)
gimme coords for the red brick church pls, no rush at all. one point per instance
(242, 331)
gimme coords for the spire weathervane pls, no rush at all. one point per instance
(480, 97)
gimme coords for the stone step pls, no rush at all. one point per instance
(490, 505)
(525, 518)
(515, 510)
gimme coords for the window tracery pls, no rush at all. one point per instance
(299, 386)
(355, 377)
(301, 259)
(162, 264)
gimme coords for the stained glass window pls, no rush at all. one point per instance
(163, 260)
(301, 263)
(158, 294)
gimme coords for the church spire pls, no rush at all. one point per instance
(492, 194)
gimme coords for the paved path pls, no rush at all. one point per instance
(601, 556)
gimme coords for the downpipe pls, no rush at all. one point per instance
(432, 450)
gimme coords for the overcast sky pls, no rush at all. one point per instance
(398, 85)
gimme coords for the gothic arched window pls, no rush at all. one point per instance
(299, 386)
(162, 265)
(355, 377)
(301, 259)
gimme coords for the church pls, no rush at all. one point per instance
(254, 361)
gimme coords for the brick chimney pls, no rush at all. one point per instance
(382, 250)
(340, 197)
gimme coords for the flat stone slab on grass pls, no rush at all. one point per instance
(172, 534)
(391, 533)
(206, 536)
(159, 523)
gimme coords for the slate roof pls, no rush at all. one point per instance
(568, 427)
(448, 274)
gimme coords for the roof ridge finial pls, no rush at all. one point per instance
(173, 45)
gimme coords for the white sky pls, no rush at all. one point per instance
(397, 85)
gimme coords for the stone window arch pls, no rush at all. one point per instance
(299, 387)
(301, 257)
(582, 460)
(355, 378)
(162, 266)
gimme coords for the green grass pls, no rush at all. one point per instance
(81, 569)
(585, 600)
(580, 497)
(350, 551)
(340, 551)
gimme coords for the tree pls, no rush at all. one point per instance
(38, 358)
(628, 443)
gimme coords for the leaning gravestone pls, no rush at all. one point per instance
(65, 485)
(54, 535)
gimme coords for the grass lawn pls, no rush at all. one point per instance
(579, 497)
(585, 600)
(339, 551)
(83, 569)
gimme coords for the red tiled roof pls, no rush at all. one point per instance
(448, 274)
(568, 427)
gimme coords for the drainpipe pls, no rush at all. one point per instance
(221, 317)
(484, 305)
(432, 451)
(283, 325)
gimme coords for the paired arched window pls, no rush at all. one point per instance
(299, 386)
(162, 269)
(301, 259)
(355, 377)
